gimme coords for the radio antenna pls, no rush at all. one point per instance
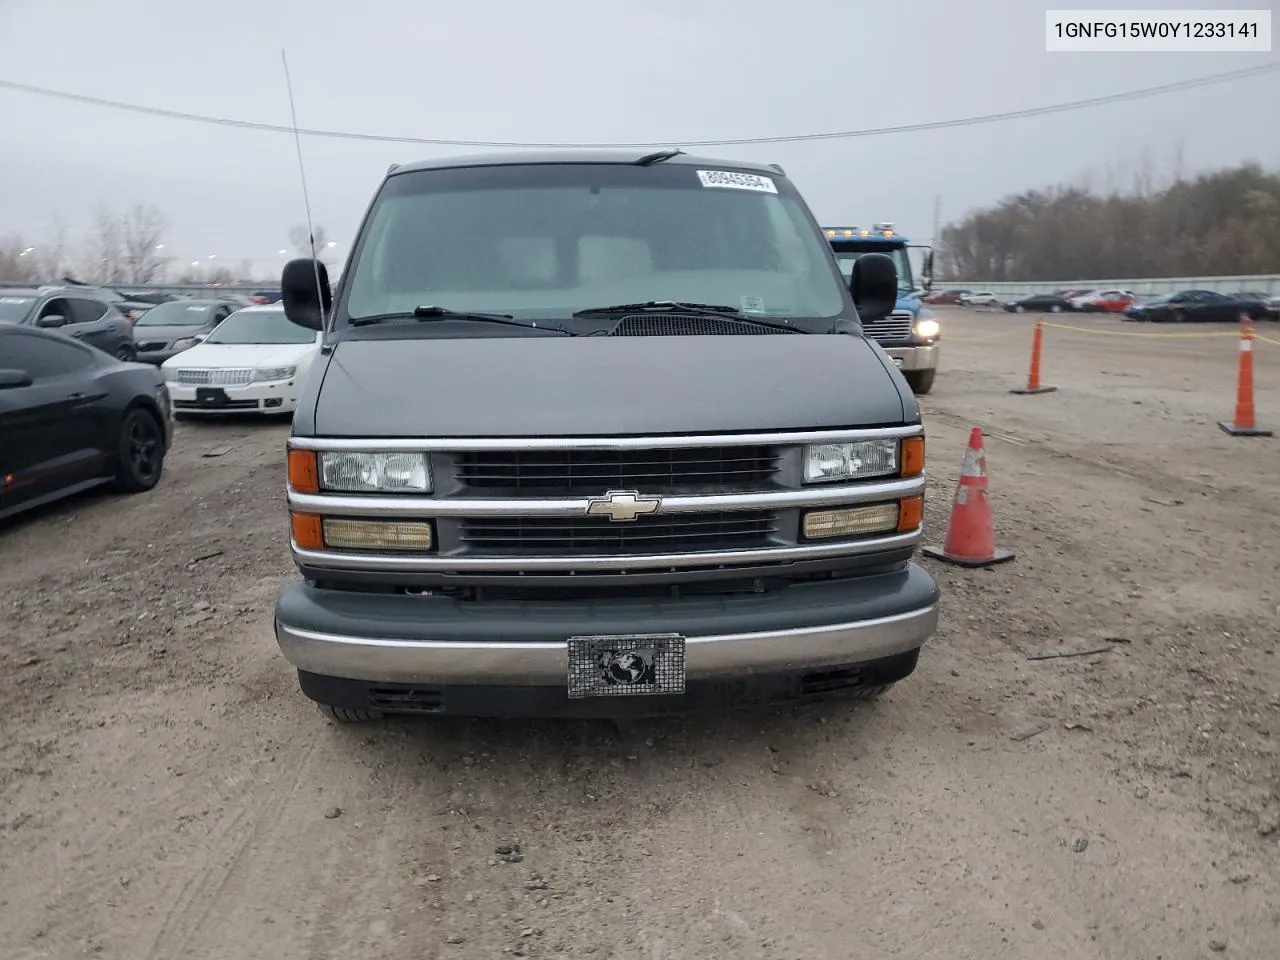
(306, 200)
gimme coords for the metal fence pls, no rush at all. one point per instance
(1268, 283)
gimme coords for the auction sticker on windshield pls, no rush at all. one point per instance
(737, 181)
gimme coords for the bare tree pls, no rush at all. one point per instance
(141, 229)
(1217, 224)
(105, 245)
(17, 261)
(51, 255)
(302, 244)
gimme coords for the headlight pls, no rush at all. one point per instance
(927, 329)
(274, 373)
(184, 343)
(856, 460)
(170, 373)
(375, 472)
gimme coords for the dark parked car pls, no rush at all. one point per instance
(77, 311)
(129, 306)
(147, 296)
(74, 418)
(169, 328)
(1043, 302)
(1196, 305)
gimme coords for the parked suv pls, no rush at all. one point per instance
(595, 434)
(77, 312)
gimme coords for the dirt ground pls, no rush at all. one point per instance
(165, 791)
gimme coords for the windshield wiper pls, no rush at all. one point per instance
(432, 312)
(721, 311)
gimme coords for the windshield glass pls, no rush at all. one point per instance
(14, 309)
(175, 314)
(260, 326)
(545, 240)
(847, 255)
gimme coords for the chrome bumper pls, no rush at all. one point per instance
(546, 663)
(915, 358)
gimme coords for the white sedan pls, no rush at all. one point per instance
(982, 298)
(255, 361)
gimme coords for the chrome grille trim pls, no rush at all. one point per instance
(362, 505)
(216, 378)
(331, 560)
(461, 444)
(895, 328)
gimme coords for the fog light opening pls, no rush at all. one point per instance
(850, 521)
(414, 535)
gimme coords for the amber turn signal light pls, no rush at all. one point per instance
(910, 514)
(912, 456)
(304, 475)
(308, 530)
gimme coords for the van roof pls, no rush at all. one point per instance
(514, 158)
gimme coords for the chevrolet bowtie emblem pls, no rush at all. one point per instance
(622, 506)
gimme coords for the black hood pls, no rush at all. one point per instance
(604, 386)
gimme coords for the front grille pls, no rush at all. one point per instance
(660, 471)
(229, 405)
(683, 325)
(216, 378)
(598, 536)
(895, 328)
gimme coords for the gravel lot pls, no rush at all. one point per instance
(165, 791)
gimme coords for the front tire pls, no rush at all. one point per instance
(1056, 308)
(139, 452)
(920, 381)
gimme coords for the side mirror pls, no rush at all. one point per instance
(874, 286)
(926, 271)
(306, 302)
(10, 379)
(52, 320)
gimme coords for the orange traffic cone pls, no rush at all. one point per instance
(1033, 375)
(970, 540)
(1244, 425)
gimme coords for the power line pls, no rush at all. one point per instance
(740, 141)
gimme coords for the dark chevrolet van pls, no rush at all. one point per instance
(598, 434)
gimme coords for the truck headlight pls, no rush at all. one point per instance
(375, 472)
(927, 329)
(855, 460)
(274, 373)
(170, 373)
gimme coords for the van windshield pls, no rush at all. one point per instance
(545, 240)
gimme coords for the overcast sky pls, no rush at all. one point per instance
(579, 70)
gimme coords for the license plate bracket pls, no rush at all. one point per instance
(211, 396)
(626, 665)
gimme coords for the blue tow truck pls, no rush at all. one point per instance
(911, 332)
